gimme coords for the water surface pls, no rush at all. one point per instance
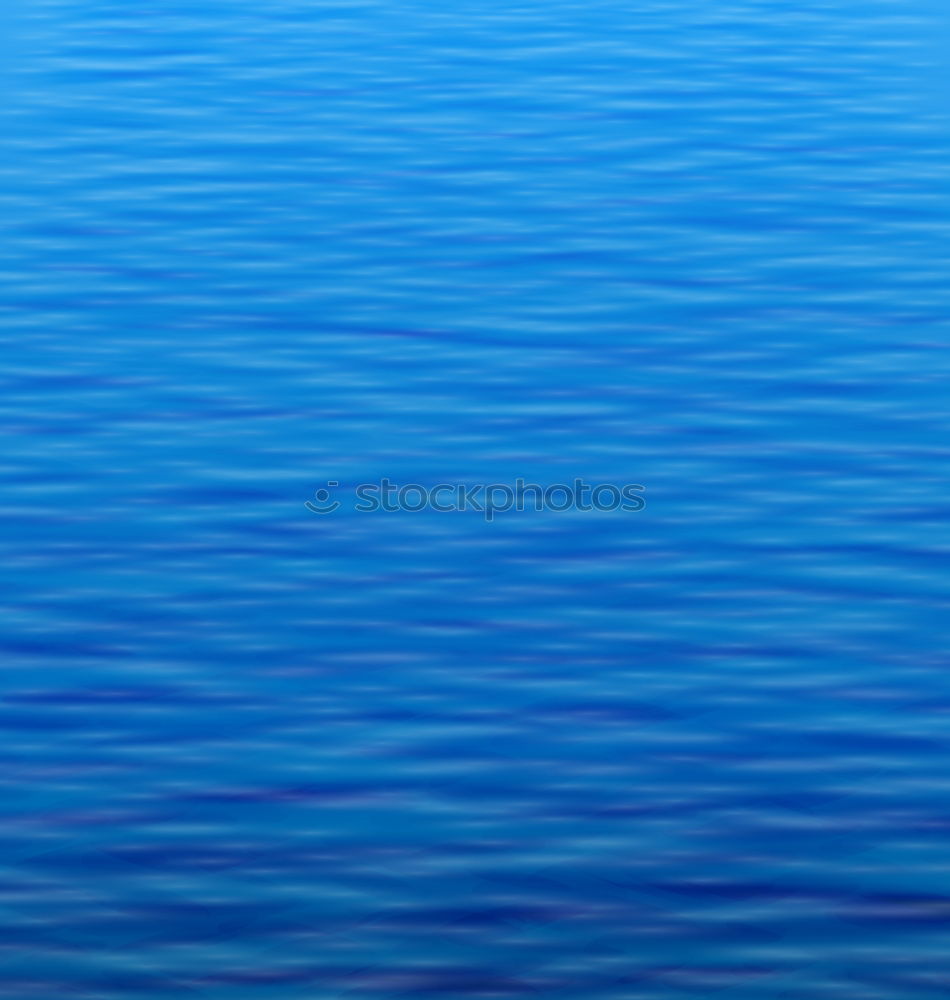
(702, 750)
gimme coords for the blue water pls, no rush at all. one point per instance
(700, 750)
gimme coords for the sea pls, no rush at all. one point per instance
(257, 253)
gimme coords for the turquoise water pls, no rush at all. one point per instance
(700, 750)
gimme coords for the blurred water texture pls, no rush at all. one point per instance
(253, 753)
